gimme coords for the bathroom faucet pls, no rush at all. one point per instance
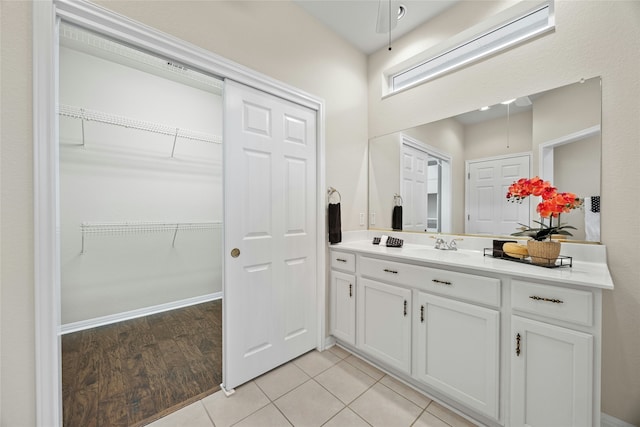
(446, 246)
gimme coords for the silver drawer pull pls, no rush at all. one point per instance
(390, 271)
(341, 260)
(537, 298)
(442, 282)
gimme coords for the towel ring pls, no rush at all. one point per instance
(331, 191)
(397, 198)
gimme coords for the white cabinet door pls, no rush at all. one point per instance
(270, 222)
(457, 351)
(384, 323)
(343, 307)
(551, 375)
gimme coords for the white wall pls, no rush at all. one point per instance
(275, 38)
(489, 138)
(127, 175)
(596, 38)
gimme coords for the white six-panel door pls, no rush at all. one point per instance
(270, 233)
(488, 180)
(414, 188)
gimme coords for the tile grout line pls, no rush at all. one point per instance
(273, 402)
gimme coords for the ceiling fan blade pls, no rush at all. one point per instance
(383, 21)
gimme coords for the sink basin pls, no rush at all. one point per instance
(427, 250)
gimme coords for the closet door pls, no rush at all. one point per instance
(270, 239)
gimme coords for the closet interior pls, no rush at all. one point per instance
(141, 208)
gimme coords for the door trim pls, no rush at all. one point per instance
(45, 18)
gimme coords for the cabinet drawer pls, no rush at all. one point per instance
(469, 287)
(479, 289)
(343, 261)
(390, 271)
(555, 302)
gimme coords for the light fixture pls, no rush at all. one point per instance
(402, 10)
(485, 108)
(387, 20)
(508, 101)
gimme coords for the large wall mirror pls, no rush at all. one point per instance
(452, 176)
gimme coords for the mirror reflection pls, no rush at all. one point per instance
(452, 175)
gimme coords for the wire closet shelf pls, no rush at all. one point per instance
(88, 115)
(133, 227)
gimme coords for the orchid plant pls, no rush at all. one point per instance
(552, 205)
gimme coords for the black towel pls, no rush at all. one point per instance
(595, 204)
(335, 233)
(396, 218)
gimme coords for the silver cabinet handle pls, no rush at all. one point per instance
(553, 300)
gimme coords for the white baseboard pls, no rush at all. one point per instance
(329, 342)
(133, 314)
(609, 421)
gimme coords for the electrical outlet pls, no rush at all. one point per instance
(361, 218)
(372, 218)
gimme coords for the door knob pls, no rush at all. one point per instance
(235, 252)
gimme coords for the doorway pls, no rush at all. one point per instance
(141, 231)
(425, 186)
(46, 18)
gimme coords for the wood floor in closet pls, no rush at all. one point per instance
(133, 372)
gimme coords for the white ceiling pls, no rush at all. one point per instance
(355, 20)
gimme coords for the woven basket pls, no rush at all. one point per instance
(543, 253)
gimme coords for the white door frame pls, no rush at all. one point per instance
(447, 202)
(46, 16)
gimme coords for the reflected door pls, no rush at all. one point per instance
(488, 180)
(270, 222)
(414, 188)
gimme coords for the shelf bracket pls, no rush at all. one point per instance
(82, 119)
(175, 139)
(175, 233)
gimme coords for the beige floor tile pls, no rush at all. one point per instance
(346, 418)
(381, 406)
(309, 405)
(269, 416)
(315, 362)
(225, 411)
(448, 416)
(281, 380)
(429, 420)
(413, 395)
(368, 369)
(339, 351)
(345, 381)
(193, 415)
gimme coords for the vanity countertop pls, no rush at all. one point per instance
(581, 273)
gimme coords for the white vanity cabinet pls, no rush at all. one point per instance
(507, 344)
(342, 318)
(552, 366)
(384, 323)
(457, 351)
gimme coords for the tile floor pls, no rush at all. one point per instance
(333, 389)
